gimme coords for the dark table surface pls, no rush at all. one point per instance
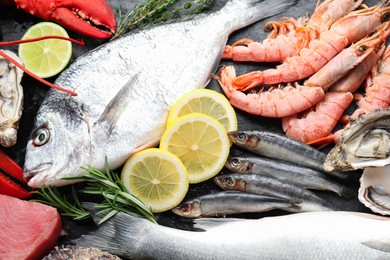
(14, 23)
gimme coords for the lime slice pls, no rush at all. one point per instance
(45, 58)
(208, 102)
(156, 177)
(201, 143)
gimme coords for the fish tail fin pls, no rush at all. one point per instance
(117, 235)
(246, 12)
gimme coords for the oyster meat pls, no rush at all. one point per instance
(11, 99)
(374, 191)
(366, 143)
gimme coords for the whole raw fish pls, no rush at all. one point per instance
(125, 89)
(281, 147)
(258, 184)
(231, 202)
(287, 172)
(311, 235)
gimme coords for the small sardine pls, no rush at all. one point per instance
(253, 183)
(287, 172)
(310, 235)
(231, 202)
(281, 147)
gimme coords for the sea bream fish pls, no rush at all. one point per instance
(125, 89)
(311, 235)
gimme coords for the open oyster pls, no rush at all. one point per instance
(374, 191)
(11, 98)
(366, 143)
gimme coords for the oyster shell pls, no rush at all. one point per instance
(366, 143)
(11, 99)
(374, 191)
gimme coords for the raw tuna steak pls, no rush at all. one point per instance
(28, 230)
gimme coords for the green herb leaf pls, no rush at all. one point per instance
(156, 11)
(108, 186)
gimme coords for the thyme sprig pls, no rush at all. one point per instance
(156, 11)
(108, 186)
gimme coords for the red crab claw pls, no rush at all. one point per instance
(93, 18)
(11, 178)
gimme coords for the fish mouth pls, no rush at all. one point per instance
(29, 174)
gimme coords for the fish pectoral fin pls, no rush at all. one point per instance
(116, 106)
(381, 245)
(207, 224)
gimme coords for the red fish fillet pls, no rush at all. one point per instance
(28, 230)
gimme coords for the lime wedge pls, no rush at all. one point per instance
(45, 58)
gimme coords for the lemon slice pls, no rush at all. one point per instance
(208, 102)
(45, 58)
(156, 177)
(200, 142)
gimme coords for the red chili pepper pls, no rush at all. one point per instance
(11, 178)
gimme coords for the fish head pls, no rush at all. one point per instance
(58, 146)
(240, 165)
(230, 182)
(189, 209)
(245, 139)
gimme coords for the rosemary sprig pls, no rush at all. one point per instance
(157, 11)
(53, 198)
(115, 197)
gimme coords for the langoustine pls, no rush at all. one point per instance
(320, 51)
(289, 36)
(295, 98)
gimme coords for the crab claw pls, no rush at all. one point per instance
(93, 18)
(11, 179)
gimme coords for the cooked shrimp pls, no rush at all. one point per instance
(289, 35)
(320, 51)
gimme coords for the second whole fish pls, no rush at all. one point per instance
(287, 172)
(281, 147)
(310, 235)
(125, 89)
(231, 202)
(253, 183)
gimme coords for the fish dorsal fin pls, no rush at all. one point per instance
(116, 106)
(381, 245)
(207, 224)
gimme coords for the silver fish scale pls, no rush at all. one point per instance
(153, 68)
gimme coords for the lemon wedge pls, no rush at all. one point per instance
(200, 142)
(208, 102)
(156, 177)
(45, 58)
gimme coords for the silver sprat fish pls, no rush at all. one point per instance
(125, 89)
(287, 172)
(231, 202)
(311, 235)
(253, 183)
(281, 147)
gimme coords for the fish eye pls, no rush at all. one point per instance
(229, 181)
(241, 137)
(235, 162)
(41, 136)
